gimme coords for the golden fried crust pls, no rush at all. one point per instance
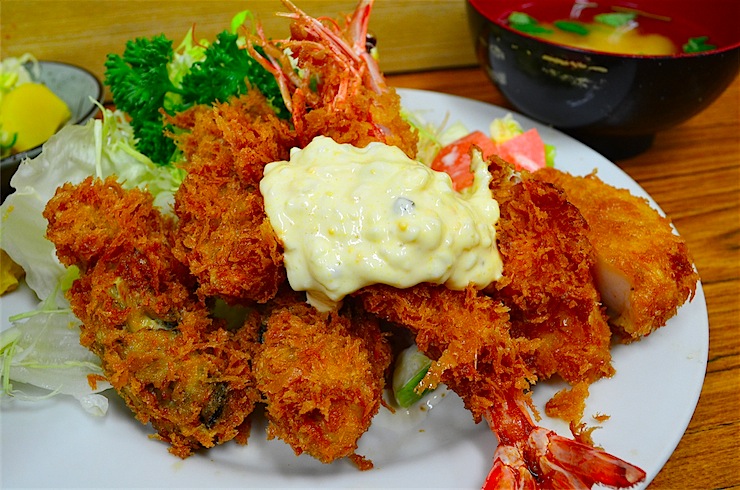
(359, 120)
(84, 219)
(465, 332)
(548, 282)
(645, 270)
(243, 134)
(223, 235)
(174, 366)
(225, 238)
(344, 106)
(322, 376)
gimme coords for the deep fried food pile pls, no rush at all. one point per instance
(173, 364)
(147, 311)
(321, 376)
(148, 282)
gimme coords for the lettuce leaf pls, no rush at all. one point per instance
(43, 350)
(100, 148)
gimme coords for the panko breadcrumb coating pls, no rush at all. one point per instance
(644, 269)
(466, 333)
(175, 366)
(223, 234)
(322, 377)
(548, 281)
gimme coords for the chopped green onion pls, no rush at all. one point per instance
(527, 24)
(697, 45)
(616, 19)
(411, 367)
(572, 27)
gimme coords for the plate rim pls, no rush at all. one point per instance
(386, 476)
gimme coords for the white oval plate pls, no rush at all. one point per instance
(650, 401)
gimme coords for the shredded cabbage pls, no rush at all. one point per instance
(504, 128)
(432, 138)
(42, 349)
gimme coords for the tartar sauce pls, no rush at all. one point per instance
(350, 217)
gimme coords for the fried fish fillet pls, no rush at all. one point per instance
(644, 269)
(175, 366)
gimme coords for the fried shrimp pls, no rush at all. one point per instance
(548, 281)
(322, 376)
(466, 333)
(340, 91)
(644, 269)
(175, 366)
(223, 234)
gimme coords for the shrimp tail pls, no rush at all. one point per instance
(570, 457)
(347, 46)
(509, 471)
(545, 459)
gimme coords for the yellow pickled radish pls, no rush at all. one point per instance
(10, 273)
(33, 112)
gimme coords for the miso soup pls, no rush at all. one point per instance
(613, 30)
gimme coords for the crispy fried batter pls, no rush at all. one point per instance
(548, 280)
(168, 359)
(224, 236)
(466, 333)
(361, 119)
(322, 376)
(82, 228)
(644, 269)
(243, 133)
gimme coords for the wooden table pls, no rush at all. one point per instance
(693, 172)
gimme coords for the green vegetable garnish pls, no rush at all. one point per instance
(224, 72)
(550, 152)
(139, 81)
(527, 24)
(151, 76)
(411, 367)
(616, 19)
(571, 26)
(239, 19)
(697, 45)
